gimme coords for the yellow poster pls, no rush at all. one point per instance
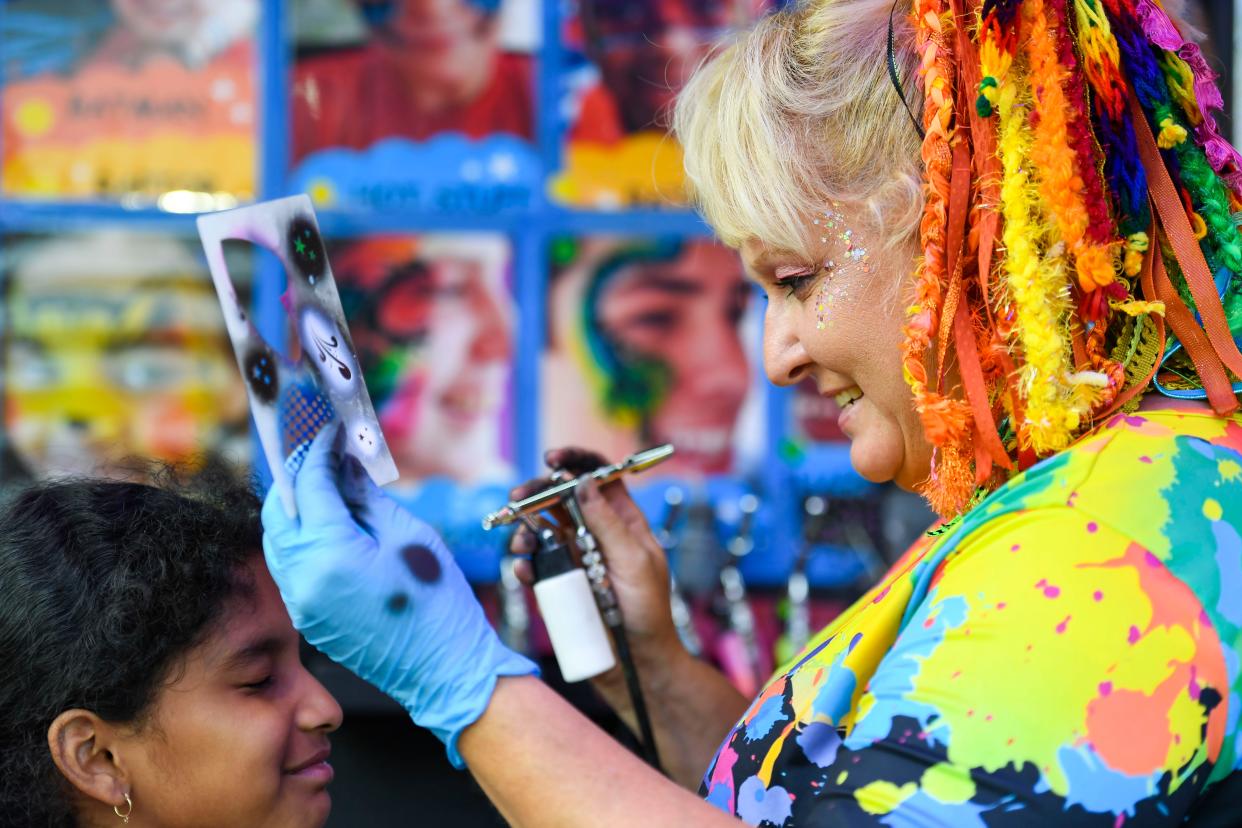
(160, 104)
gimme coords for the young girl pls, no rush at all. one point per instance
(151, 671)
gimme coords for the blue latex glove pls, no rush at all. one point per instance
(375, 589)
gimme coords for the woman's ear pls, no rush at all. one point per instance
(80, 743)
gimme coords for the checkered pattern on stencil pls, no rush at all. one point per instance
(303, 413)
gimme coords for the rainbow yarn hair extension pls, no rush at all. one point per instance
(1096, 195)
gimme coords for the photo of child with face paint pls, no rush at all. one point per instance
(646, 50)
(114, 348)
(192, 31)
(425, 67)
(432, 318)
(626, 64)
(146, 101)
(646, 345)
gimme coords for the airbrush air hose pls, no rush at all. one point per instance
(578, 640)
(610, 609)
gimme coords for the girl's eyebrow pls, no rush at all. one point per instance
(268, 645)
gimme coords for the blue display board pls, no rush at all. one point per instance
(512, 222)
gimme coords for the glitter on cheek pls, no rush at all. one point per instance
(831, 294)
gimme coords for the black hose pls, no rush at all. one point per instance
(645, 732)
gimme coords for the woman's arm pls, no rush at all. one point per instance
(376, 589)
(692, 705)
(543, 763)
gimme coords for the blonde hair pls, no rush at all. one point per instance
(798, 111)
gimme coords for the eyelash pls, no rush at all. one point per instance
(261, 685)
(793, 283)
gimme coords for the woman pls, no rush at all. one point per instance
(152, 675)
(1064, 648)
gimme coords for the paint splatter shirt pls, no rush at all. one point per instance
(1068, 654)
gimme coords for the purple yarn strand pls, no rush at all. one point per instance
(1160, 30)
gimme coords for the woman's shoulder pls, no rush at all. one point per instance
(1167, 477)
(1123, 557)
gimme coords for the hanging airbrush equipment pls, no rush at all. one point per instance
(738, 650)
(683, 617)
(292, 401)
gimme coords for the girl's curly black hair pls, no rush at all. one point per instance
(104, 586)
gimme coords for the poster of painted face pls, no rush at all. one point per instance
(650, 341)
(432, 318)
(114, 350)
(143, 101)
(627, 62)
(414, 69)
(441, 88)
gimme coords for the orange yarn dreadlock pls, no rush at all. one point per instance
(1047, 264)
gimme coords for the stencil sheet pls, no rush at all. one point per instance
(292, 401)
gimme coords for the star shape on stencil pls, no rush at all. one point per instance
(299, 246)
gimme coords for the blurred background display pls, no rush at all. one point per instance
(506, 219)
(114, 350)
(433, 320)
(651, 341)
(427, 105)
(413, 69)
(622, 66)
(131, 100)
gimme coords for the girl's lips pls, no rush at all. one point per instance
(320, 773)
(315, 769)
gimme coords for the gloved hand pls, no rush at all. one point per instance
(375, 589)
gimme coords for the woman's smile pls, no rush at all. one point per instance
(838, 324)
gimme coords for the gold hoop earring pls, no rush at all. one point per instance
(116, 809)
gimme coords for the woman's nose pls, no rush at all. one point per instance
(785, 360)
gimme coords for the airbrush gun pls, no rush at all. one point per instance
(578, 641)
(562, 489)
